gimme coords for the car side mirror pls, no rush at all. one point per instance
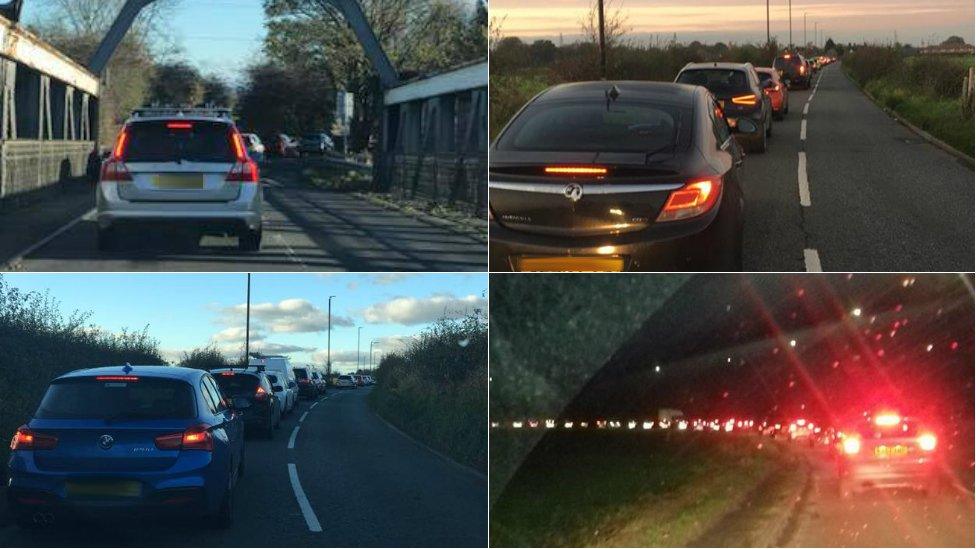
(277, 388)
(746, 125)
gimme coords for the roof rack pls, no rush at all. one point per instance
(215, 112)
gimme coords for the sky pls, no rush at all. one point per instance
(288, 311)
(745, 20)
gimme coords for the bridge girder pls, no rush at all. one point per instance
(350, 9)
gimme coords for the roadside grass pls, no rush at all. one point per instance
(627, 489)
(334, 177)
(923, 90)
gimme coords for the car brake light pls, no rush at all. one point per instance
(691, 200)
(25, 439)
(927, 442)
(120, 144)
(197, 437)
(852, 445)
(114, 170)
(887, 420)
(180, 125)
(117, 378)
(576, 170)
(245, 171)
(803, 69)
(261, 394)
(745, 99)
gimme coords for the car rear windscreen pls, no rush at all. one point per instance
(237, 384)
(89, 398)
(783, 62)
(300, 373)
(764, 76)
(718, 81)
(592, 126)
(172, 141)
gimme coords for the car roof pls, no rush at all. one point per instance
(716, 65)
(655, 91)
(169, 372)
(767, 70)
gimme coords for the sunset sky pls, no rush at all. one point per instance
(915, 21)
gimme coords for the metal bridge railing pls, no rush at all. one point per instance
(27, 165)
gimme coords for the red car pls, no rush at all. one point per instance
(779, 94)
(886, 450)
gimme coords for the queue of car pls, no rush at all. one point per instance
(155, 439)
(635, 175)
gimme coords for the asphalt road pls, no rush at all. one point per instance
(888, 518)
(880, 197)
(306, 228)
(366, 484)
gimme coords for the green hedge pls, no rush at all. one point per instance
(437, 390)
(39, 343)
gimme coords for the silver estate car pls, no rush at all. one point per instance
(186, 168)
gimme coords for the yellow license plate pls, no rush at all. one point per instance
(121, 488)
(173, 181)
(585, 264)
(884, 452)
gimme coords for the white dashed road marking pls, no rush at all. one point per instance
(310, 519)
(812, 261)
(803, 130)
(291, 439)
(301, 419)
(806, 108)
(801, 175)
(89, 215)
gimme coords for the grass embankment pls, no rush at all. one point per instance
(631, 489)
(40, 343)
(437, 390)
(926, 91)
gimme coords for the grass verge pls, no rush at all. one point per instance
(627, 490)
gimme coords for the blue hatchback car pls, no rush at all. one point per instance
(127, 438)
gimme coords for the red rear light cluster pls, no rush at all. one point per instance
(131, 379)
(927, 442)
(245, 170)
(261, 394)
(692, 200)
(749, 99)
(197, 437)
(114, 168)
(26, 439)
(575, 170)
(851, 445)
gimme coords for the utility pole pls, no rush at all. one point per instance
(816, 36)
(328, 359)
(603, 42)
(247, 324)
(359, 333)
(805, 42)
(371, 353)
(790, 4)
(768, 40)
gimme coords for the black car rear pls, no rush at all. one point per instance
(612, 176)
(306, 385)
(793, 70)
(739, 93)
(253, 398)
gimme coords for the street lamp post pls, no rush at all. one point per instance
(805, 42)
(328, 356)
(790, 4)
(247, 324)
(359, 333)
(603, 43)
(816, 37)
(768, 40)
(371, 342)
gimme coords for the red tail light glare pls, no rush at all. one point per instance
(927, 442)
(120, 144)
(803, 69)
(575, 170)
(198, 438)
(179, 125)
(851, 445)
(117, 378)
(887, 420)
(25, 439)
(226, 373)
(745, 99)
(692, 200)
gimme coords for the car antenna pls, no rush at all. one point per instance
(612, 94)
(127, 368)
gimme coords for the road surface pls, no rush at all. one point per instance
(881, 198)
(889, 518)
(366, 484)
(306, 228)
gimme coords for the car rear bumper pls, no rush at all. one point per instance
(693, 246)
(889, 474)
(243, 212)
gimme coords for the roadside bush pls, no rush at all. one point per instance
(39, 343)
(437, 389)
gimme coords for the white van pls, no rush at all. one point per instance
(281, 367)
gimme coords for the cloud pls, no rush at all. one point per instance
(388, 278)
(286, 316)
(347, 357)
(411, 310)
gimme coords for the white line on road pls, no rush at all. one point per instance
(314, 404)
(806, 108)
(812, 260)
(291, 439)
(44, 241)
(301, 419)
(801, 175)
(306, 507)
(803, 130)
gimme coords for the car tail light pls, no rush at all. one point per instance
(25, 439)
(745, 99)
(691, 200)
(887, 420)
(803, 69)
(179, 125)
(120, 144)
(244, 171)
(117, 378)
(927, 442)
(852, 445)
(115, 170)
(197, 437)
(575, 170)
(261, 394)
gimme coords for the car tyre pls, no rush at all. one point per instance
(759, 144)
(224, 517)
(250, 241)
(108, 239)
(769, 130)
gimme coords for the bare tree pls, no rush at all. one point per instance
(615, 23)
